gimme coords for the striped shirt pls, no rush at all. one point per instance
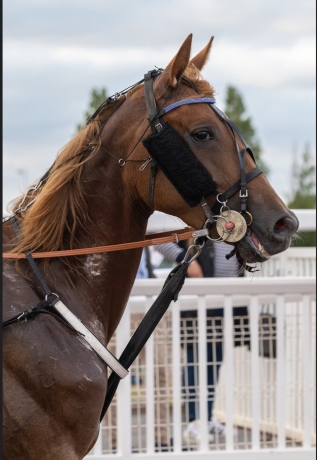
(222, 266)
(171, 251)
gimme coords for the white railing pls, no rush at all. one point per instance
(295, 261)
(298, 261)
(267, 404)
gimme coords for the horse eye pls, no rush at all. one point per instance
(202, 136)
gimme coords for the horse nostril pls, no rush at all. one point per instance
(280, 225)
(286, 223)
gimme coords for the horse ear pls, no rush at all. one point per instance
(200, 59)
(177, 66)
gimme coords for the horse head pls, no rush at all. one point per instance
(167, 147)
(200, 168)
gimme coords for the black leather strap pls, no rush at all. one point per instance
(236, 186)
(232, 126)
(25, 315)
(152, 113)
(152, 184)
(149, 97)
(170, 291)
(32, 263)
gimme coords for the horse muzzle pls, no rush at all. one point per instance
(261, 242)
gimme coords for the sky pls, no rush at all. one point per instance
(54, 53)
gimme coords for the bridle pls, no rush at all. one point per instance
(161, 158)
(231, 225)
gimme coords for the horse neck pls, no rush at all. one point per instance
(100, 286)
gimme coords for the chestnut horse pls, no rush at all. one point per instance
(101, 190)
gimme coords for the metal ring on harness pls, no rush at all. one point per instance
(49, 301)
(199, 249)
(250, 216)
(221, 238)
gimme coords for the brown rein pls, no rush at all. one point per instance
(150, 240)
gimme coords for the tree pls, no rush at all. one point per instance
(303, 182)
(235, 110)
(97, 97)
(303, 195)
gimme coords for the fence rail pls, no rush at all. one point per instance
(267, 404)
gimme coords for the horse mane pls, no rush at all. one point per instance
(44, 225)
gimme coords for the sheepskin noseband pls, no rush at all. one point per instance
(172, 155)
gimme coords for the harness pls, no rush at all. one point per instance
(188, 175)
(169, 152)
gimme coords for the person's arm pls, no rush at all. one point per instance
(195, 270)
(172, 252)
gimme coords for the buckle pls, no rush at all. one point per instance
(199, 233)
(20, 318)
(158, 127)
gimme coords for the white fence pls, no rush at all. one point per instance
(298, 261)
(267, 404)
(293, 262)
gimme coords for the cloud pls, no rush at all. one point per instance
(107, 24)
(56, 52)
(269, 67)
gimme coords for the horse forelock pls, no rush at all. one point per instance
(192, 73)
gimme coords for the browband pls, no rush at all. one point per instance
(197, 100)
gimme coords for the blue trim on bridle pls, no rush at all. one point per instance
(201, 100)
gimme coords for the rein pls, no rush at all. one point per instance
(150, 240)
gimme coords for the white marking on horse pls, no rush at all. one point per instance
(97, 327)
(98, 367)
(93, 264)
(11, 276)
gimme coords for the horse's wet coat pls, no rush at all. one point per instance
(54, 384)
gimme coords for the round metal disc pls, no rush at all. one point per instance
(239, 230)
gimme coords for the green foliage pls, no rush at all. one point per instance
(303, 182)
(235, 110)
(304, 191)
(305, 239)
(97, 97)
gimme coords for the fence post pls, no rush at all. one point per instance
(280, 374)
(177, 420)
(202, 372)
(306, 369)
(255, 371)
(229, 371)
(150, 403)
(124, 416)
